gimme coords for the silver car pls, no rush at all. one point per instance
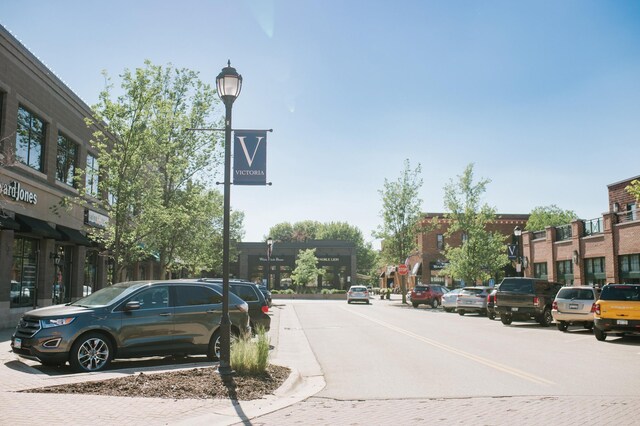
(473, 299)
(358, 293)
(449, 299)
(574, 305)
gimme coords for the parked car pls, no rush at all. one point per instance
(574, 305)
(129, 320)
(449, 299)
(266, 293)
(617, 311)
(473, 299)
(250, 293)
(358, 293)
(426, 294)
(491, 304)
(522, 299)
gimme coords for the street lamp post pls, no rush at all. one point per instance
(229, 84)
(269, 249)
(517, 231)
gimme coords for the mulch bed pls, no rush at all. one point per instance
(197, 383)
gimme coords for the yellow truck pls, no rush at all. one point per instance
(617, 311)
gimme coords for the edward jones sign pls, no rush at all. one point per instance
(15, 191)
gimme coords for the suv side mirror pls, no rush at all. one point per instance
(133, 305)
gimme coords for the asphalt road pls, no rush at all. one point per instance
(389, 351)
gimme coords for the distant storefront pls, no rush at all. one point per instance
(337, 258)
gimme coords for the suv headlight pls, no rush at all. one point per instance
(56, 322)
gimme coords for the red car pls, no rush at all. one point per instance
(427, 294)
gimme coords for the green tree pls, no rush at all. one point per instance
(156, 172)
(400, 217)
(634, 189)
(482, 254)
(541, 217)
(306, 270)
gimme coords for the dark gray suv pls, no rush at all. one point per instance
(129, 320)
(250, 293)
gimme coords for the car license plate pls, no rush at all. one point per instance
(17, 343)
(573, 306)
(622, 322)
(514, 309)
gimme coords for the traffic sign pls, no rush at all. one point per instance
(403, 269)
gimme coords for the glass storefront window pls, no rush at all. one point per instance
(90, 272)
(24, 272)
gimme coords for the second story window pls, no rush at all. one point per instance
(91, 174)
(440, 242)
(66, 160)
(30, 140)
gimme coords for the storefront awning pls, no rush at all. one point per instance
(38, 227)
(73, 235)
(8, 223)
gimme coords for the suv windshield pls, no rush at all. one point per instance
(516, 285)
(104, 296)
(621, 292)
(576, 293)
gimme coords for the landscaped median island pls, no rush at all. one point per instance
(196, 383)
(254, 378)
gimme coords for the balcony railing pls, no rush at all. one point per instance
(539, 235)
(593, 226)
(563, 232)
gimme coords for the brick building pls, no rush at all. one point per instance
(45, 254)
(590, 252)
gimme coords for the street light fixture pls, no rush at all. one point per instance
(229, 84)
(517, 231)
(269, 249)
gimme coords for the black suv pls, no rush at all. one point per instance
(522, 299)
(129, 320)
(250, 293)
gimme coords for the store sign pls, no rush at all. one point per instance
(95, 219)
(15, 191)
(271, 259)
(329, 259)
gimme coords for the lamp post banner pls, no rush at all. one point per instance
(250, 157)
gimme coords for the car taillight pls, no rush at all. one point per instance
(265, 308)
(595, 308)
(554, 305)
(536, 301)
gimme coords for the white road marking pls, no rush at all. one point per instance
(489, 363)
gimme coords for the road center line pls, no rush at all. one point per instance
(489, 363)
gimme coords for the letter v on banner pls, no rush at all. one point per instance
(250, 157)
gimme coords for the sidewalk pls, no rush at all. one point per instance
(291, 349)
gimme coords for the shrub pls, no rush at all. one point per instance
(338, 291)
(250, 356)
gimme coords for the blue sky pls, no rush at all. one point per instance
(542, 96)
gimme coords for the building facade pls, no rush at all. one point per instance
(45, 254)
(337, 258)
(590, 252)
(426, 264)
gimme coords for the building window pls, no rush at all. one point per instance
(30, 139)
(540, 270)
(24, 272)
(565, 272)
(630, 263)
(92, 175)
(90, 272)
(66, 160)
(594, 266)
(440, 242)
(632, 212)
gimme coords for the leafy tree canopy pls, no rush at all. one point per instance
(634, 189)
(307, 270)
(541, 217)
(482, 254)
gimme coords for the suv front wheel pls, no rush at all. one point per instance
(91, 352)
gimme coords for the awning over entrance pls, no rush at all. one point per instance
(8, 223)
(38, 227)
(73, 235)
